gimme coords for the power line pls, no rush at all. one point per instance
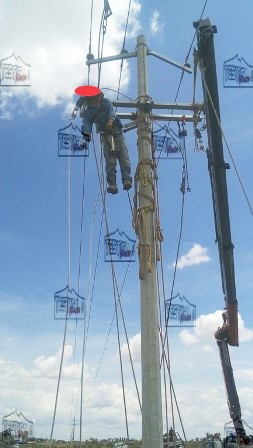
(123, 47)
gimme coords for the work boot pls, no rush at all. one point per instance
(112, 189)
(127, 184)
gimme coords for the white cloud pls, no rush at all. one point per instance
(187, 338)
(135, 348)
(246, 375)
(207, 348)
(202, 335)
(196, 255)
(154, 22)
(245, 334)
(49, 367)
(53, 37)
(34, 392)
(206, 325)
(5, 96)
(103, 402)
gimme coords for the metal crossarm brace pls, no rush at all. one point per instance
(162, 117)
(196, 107)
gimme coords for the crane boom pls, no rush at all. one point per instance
(217, 172)
(228, 333)
(232, 396)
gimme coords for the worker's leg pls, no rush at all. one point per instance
(123, 158)
(110, 160)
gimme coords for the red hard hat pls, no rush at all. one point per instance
(88, 91)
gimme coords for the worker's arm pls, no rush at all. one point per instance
(87, 125)
(78, 105)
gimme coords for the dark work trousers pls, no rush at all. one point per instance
(114, 148)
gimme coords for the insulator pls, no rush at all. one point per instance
(198, 134)
(182, 133)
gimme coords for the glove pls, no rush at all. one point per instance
(87, 137)
(74, 114)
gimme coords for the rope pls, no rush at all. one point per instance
(79, 276)
(103, 25)
(159, 258)
(90, 299)
(114, 288)
(165, 361)
(90, 295)
(123, 47)
(69, 216)
(118, 303)
(165, 338)
(159, 239)
(119, 350)
(66, 317)
(139, 218)
(158, 231)
(85, 331)
(91, 21)
(100, 54)
(81, 225)
(59, 380)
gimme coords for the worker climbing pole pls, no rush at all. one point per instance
(94, 108)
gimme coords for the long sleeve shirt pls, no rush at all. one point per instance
(99, 114)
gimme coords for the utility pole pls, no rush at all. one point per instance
(152, 422)
(73, 433)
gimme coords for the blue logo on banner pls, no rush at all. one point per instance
(167, 145)
(71, 144)
(67, 303)
(180, 312)
(119, 247)
(237, 73)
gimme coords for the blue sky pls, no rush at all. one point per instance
(53, 37)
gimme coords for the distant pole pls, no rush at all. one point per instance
(152, 436)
